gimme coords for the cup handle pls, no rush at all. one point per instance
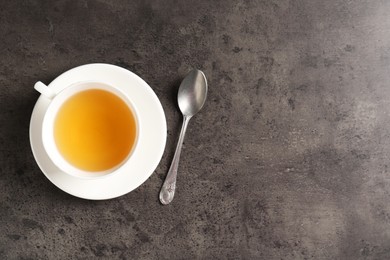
(44, 90)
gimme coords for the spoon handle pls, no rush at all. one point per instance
(168, 189)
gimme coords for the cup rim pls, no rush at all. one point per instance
(48, 139)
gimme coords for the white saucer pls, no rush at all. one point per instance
(151, 143)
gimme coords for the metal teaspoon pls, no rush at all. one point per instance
(191, 98)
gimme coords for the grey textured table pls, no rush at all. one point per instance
(288, 160)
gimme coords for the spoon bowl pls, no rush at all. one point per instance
(192, 93)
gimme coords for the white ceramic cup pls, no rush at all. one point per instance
(56, 101)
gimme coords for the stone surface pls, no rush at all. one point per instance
(288, 160)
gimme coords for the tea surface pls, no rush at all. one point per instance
(95, 130)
